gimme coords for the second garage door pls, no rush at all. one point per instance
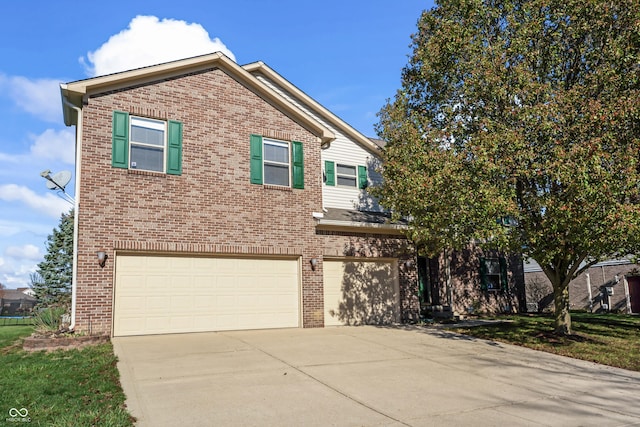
(360, 292)
(171, 294)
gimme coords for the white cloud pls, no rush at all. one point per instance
(40, 97)
(49, 204)
(149, 41)
(55, 145)
(51, 145)
(27, 251)
(11, 228)
(16, 274)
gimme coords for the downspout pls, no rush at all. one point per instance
(74, 274)
(590, 294)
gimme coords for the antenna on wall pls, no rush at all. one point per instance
(58, 182)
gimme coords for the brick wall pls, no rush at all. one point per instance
(210, 208)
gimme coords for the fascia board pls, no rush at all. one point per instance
(361, 227)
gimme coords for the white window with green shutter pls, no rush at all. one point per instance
(344, 175)
(142, 143)
(278, 163)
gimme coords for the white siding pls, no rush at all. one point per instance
(344, 151)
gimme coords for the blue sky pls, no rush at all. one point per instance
(346, 54)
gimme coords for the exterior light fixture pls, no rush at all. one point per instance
(102, 257)
(408, 263)
(314, 263)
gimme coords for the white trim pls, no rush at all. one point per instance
(277, 143)
(153, 124)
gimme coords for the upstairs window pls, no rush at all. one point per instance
(277, 163)
(146, 144)
(345, 175)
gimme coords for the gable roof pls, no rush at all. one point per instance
(14, 295)
(262, 68)
(75, 93)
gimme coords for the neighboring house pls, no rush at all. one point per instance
(595, 290)
(27, 291)
(15, 302)
(223, 197)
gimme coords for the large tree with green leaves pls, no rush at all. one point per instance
(52, 280)
(527, 110)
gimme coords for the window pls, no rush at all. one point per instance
(345, 175)
(493, 274)
(276, 162)
(146, 144)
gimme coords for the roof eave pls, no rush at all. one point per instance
(362, 227)
(75, 92)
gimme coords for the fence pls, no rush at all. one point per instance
(15, 320)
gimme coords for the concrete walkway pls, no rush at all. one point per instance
(365, 376)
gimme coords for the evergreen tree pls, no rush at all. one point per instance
(52, 280)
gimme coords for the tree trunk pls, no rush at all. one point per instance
(561, 302)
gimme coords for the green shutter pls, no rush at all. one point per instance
(174, 148)
(484, 285)
(330, 173)
(363, 181)
(297, 172)
(256, 159)
(120, 140)
(504, 281)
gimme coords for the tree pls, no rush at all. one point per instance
(520, 110)
(52, 280)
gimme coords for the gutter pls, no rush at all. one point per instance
(74, 274)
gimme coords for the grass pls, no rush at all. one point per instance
(609, 339)
(60, 388)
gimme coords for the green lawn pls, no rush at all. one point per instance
(609, 339)
(60, 388)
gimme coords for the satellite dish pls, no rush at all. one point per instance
(59, 180)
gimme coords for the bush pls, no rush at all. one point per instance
(49, 319)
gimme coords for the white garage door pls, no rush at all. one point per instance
(171, 294)
(360, 292)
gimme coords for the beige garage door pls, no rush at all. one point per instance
(171, 294)
(360, 292)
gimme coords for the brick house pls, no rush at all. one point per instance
(206, 186)
(213, 196)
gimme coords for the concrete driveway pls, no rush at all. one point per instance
(365, 376)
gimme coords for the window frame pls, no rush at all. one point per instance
(155, 125)
(343, 176)
(501, 275)
(265, 162)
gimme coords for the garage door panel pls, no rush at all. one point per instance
(360, 292)
(164, 294)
